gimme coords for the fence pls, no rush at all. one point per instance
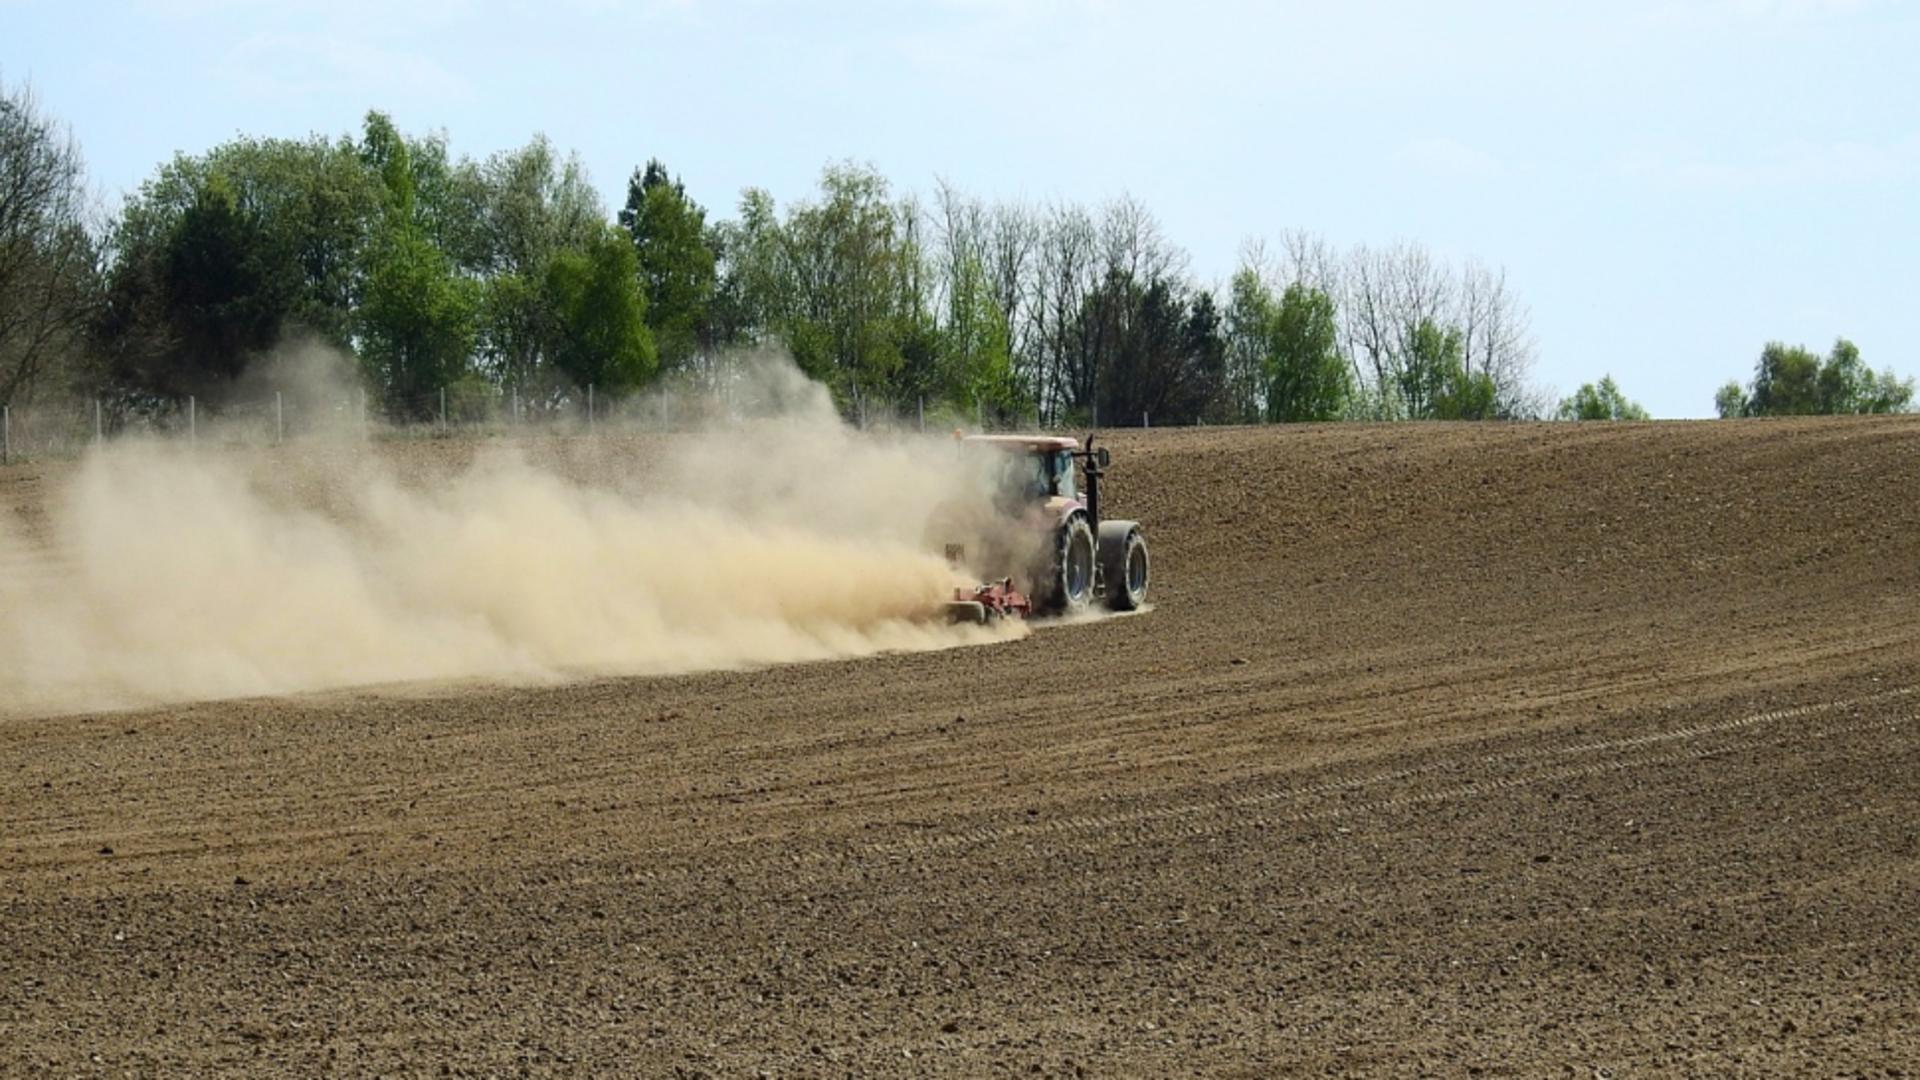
(66, 429)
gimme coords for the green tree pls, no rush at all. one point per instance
(220, 256)
(1432, 357)
(1306, 377)
(1795, 381)
(972, 360)
(752, 294)
(517, 333)
(851, 262)
(1887, 393)
(1248, 331)
(677, 264)
(1730, 400)
(1786, 382)
(1201, 375)
(1146, 352)
(418, 319)
(1467, 396)
(1433, 381)
(603, 339)
(1849, 386)
(528, 206)
(1602, 401)
(417, 324)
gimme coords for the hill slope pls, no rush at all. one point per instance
(1509, 748)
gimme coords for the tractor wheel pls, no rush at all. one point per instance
(1125, 567)
(1070, 587)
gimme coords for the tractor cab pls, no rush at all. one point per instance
(1035, 469)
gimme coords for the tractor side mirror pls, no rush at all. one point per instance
(1103, 457)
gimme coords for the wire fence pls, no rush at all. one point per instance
(67, 429)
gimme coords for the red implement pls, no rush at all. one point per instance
(987, 603)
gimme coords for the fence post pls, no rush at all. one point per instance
(98, 431)
(589, 408)
(443, 408)
(193, 422)
(6, 434)
(279, 419)
(979, 415)
(514, 416)
(923, 414)
(1144, 422)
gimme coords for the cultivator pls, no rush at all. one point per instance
(989, 603)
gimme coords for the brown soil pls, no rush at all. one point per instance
(1499, 750)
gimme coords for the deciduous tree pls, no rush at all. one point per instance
(601, 312)
(1600, 401)
(676, 263)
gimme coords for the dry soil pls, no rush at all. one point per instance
(1492, 750)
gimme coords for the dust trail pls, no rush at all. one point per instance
(176, 575)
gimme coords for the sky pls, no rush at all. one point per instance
(1668, 184)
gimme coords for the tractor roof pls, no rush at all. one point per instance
(1033, 443)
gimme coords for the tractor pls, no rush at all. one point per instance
(1068, 559)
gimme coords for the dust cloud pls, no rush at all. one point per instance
(162, 573)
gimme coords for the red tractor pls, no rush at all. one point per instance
(1066, 557)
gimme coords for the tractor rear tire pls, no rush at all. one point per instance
(1070, 583)
(1124, 565)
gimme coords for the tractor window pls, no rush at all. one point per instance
(1063, 478)
(1027, 478)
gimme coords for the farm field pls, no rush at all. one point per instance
(1444, 749)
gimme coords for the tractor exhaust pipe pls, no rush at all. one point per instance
(1095, 464)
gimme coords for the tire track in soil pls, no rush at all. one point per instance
(1164, 822)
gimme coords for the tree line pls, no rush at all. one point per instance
(478, 276)
(444, 275)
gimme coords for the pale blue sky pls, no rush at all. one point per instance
(1668, 183)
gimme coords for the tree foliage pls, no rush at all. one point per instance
(221, 256)
(504, 273)
(1433, 380)
(1795, 381)
(602, 335)
(417, 325)
(1151, 353)
(675, 262)
(1305, 375)
(1601, 401)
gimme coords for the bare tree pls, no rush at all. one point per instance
(1308, 259)
(1132, 243)
(1066, 267)
(48, 258)
(1012, 235)
(962, 224)
(1421, 291)
(1368, 329)
(1386, 295)
(1496, 338)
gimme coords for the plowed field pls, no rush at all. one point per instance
(1503, 750)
